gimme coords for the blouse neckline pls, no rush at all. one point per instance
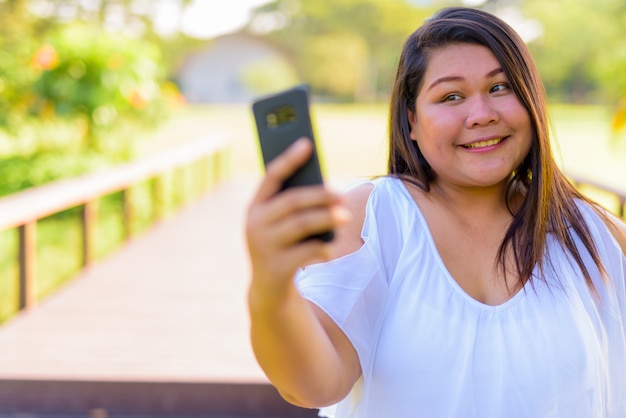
(513, 300)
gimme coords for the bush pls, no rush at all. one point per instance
(77, 101)
(99, 78)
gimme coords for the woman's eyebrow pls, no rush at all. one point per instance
(459, 78)
(494, 72)
(444, 80)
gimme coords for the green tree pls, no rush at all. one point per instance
(121, 15)
(18, 38)
(582, 53)
(344, 48)
(98, 79)
(73, 95)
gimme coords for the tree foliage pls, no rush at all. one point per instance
(99, 79)
(346, 49)
(340, 44)
(582, 53)
(73, 95)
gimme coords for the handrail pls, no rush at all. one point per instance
(619, 193)
(39, 202)
(22, 210)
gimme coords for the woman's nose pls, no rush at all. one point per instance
(481, 112)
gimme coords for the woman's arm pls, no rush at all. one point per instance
(303, 352)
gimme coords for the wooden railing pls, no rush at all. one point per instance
(24, 209)
(617, 194)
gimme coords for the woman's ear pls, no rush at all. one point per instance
(412, 123)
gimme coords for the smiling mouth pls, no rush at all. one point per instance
(483, 144)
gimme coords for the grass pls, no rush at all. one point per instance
(585, 144)
(587, 148)
(353, 145)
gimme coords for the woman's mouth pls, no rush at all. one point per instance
(483, 144)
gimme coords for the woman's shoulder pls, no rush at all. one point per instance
(348, 237)
(363, 200)
(380, 195)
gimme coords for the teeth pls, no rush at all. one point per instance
(482, 144)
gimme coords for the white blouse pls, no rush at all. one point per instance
(428, 349)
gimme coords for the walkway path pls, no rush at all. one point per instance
(161, 326)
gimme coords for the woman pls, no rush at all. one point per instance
(472, 281)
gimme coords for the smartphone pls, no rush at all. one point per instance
(281, 119)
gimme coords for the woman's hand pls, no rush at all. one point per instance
(278, 223)
(303, 353)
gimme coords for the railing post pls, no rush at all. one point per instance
(217, 166)
(128, 209)
(185, 184)
(198, 181)
(158, 198)
(183, 180)
(224, 167)
(204, 167)
(89, 221)
(28, 264)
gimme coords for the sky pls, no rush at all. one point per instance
(211, 18)
(207, 18)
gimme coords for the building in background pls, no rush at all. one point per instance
(235, 68)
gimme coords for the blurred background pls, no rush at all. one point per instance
(86, 85)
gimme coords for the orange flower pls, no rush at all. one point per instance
(136, 100)
(45, 58)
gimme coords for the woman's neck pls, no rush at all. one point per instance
(475, 204)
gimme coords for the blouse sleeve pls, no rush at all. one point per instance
(612, 292)
(614, 263)
(352, 289)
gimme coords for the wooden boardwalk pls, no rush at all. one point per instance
(158, 328)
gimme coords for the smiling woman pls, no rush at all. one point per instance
(471, 281)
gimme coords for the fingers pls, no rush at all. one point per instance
(299, 224)
(293, 215)
(283, 166)
(269, 207)
(298, 199)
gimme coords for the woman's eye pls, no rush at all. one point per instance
(499, 87)
(452, 97)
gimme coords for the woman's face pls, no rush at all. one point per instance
(469, 124)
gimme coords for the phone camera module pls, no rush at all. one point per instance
(281, 116)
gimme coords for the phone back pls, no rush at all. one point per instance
(281, 119)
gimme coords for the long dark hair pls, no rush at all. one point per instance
(549, 206)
